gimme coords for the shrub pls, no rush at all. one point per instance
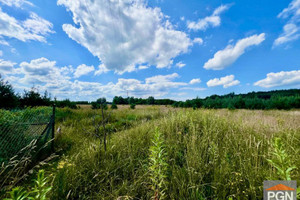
(95, 105)
(38, 192)
(66, 103)
(281, 160)
(132, 106)
(8, 99)
(114, 106)
(100, 103)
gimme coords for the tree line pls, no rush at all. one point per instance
(277, 99)
(139, 101)
(280, 99)
(9, 99)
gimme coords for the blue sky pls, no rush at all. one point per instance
(86, 49)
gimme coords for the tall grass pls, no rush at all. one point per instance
(210, 155)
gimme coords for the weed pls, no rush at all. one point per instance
(281, 160)
(158, 166)
(38, 192)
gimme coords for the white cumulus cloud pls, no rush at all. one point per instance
(291, 30)
(230, 54)
(6, 66)
(198, 41)
(125, 34)
(192, 88)
(195, 80)
(283, 78)
(83, 70)
(211, 21)
(102, 69)
(290, 33)
(44, 74)
(226, 81)
(180, 64)
(43, 71)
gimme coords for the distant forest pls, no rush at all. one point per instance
(277, 99)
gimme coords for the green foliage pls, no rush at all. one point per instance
(132, 106)
(95, 105)
(281, 99)
(139, 101)
(8, 98)
(99, 104)
(33, 98)
(65, 104)
(150, 101)
(211, 154)
(114, 106)
(16, 131)
(40, 189)
(158, 166)
(281, 160)
(38, 192)
(18, 193)
(101, 101)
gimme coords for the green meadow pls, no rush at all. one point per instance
(160, 152)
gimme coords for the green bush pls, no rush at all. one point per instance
(132, 106)
(114, 106)
(39, 191)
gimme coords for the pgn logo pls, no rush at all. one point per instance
(280, 190)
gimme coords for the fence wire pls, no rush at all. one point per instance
(19, 127)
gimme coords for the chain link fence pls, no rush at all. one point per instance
(18, 128)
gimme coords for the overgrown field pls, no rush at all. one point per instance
(167, 153)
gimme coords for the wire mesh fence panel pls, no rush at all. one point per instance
(19, 127)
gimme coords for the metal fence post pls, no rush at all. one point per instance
(53, 127)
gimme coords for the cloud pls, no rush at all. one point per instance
(291, 30)
(230, 54)
(156, 86)
(180, 64)
(293, 9)
(44, 74)
(211, 21)
(192, 88)
(290, 33)
(226, 82)
(194, 81)
(34, 28)
(83, 70)
(143, 67)
(42, 71)
(198, 41)
(125, 34)
(102, 70)
(283, 78)
(16, 3)
(162, 78)
(6, 67)
(3, 42)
